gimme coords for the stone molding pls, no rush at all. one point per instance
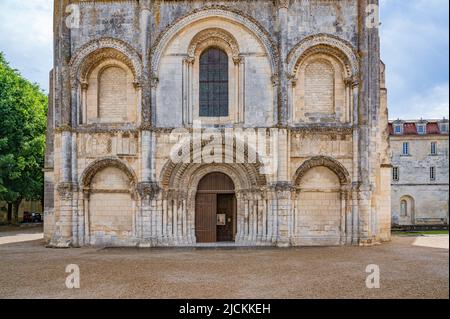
(102, 163)
(170, 168)
(213, 36)
(309, 129)
(89, 55)
(332, 164)
(179, 176)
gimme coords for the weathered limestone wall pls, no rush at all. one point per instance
(109, 164)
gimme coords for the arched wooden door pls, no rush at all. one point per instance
(215, 209)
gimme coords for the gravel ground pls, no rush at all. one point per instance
(17, 234)
(410, 267)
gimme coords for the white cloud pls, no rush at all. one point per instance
(26, 37)
(428, 104)
(415, 48)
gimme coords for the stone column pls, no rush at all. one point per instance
(62, 236)
(144, 41)
(282, 7)
(191, 216)
(64, 101)
(83, 109)
(292, 83)
(240, 216)
(64, 217)
(284, 204)
(148, 193)
(49, 183)
(246, 232)
(344, 214)
(273, 213)
(165, 233)
(369, 91)
(86, 219)
(239, 63)
(188, 66)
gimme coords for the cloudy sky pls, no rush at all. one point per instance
(415, 48)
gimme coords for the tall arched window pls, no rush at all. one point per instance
(214, 83)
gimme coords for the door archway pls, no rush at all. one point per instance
(215, 209)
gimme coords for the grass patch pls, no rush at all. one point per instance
(421, 233)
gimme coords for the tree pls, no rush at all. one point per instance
(23, 109)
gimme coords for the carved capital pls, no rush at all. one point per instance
(283, 190)
(293, 79)
(149, 190)
(66, 190)
(154, 82)
(351, 81)
(282, 4)
(237, 60)
(275, 80)
(86, 194)
(137, 85)
(189, 60)
(84, 85)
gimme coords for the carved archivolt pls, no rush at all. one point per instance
(215, 11)
(97, 51)
(187, 176)
(100, 164)
(214, 37)
(326, 44)
(249, 175)
(328, 162)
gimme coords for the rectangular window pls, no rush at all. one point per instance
(395, 174)
(433, 148)
(398, 129)
(432, 173)
(405, 148)
(421, 129)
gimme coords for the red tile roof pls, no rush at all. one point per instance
(410, 128)
(391, 129)
(433, 128)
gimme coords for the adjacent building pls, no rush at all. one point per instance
(420, 173)
(25, 206)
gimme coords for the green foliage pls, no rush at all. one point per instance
(23, 109)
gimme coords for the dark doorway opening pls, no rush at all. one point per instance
(226, 226)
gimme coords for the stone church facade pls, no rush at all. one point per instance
(183, 123)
